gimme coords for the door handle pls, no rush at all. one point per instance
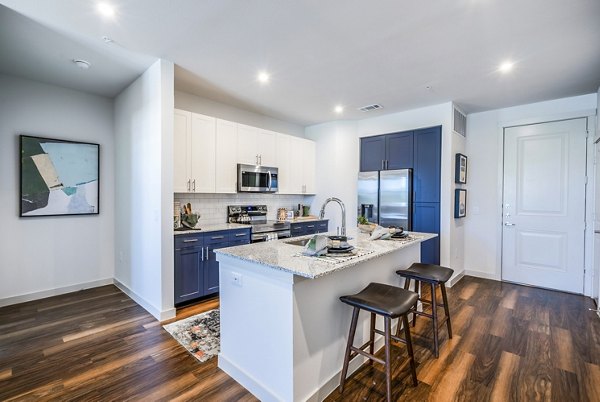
(194, 182)
(382, 164)
(188, 185)
(202, 258)
(509, 224)
(270, 179)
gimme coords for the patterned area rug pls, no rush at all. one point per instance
(199, 334)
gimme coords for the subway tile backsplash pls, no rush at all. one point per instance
(213, 207)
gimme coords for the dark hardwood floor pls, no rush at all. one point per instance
(511, 343)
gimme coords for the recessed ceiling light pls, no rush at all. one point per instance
(506, 67)
(106, 10)
(339, 109)
(82, 64)
(263, 77)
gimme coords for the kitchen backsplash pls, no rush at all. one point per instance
(213, 207)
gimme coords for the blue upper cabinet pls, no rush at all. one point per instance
(386, 152)
(427, 161)
(372, 153)
(399, 149)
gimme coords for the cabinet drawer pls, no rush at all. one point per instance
(188, 241)
(322, 226)
(239, 235)
(216, 237)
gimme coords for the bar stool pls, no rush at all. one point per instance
(435, 276)
(390, 302)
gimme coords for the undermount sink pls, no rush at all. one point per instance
(301, 242)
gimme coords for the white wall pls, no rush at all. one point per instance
(144, 187)
(483, 147)
(338, 166)
(197, 104)
(43, 256)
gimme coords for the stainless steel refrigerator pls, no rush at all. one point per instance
(385, 197)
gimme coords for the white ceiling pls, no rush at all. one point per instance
(319, 53)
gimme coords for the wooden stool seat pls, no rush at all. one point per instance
(436, 276)
(389, 302)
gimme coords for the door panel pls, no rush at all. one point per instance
(427, 219)
(188, 274)
(202, 146)
(399, 151)
(544, 205)
(372, 153)
(181, 151)
(226, 157)
(427, 159)
(394, 198)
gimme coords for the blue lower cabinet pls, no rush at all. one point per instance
(310, 227)
(426, 218)
(196, 266)
(188, 269)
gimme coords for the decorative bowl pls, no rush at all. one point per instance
(367, 228)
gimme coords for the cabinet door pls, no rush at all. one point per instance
(211, 268)
(426, 218)
(311, 228)
(309, 167)
(247, 150)
(203, 147)
(427, 160)
(372, 153)
(296, 156)
(284, 164)
(399, 148)
(266, 142)
(181, 151)
(226, 157)
(188, 274)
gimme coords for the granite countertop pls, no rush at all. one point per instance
(287, 257)
(213, 228)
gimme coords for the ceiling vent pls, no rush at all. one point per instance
(369, 108)
(459, 124)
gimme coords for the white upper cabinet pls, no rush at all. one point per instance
(256, 146)
(181, 151)
(193, 153)
(202, 146)
(296, 163)
(226, 157)
(207, 151)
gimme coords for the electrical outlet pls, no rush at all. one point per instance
(236, 279)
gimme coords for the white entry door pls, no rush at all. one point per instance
(544, 204)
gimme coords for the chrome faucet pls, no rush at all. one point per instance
(322, 214)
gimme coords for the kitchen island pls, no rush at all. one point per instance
(283, 328)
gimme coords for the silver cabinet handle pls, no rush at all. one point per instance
(310, 226)
(188, 185)
(194, 182)
(202, 258)
(240, 234)
(217, 237)
(509, 224)
(260, 160)
(190, 240)
(257, 159)
(207, 254)
(382, 164)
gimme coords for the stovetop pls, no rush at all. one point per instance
(269, 226)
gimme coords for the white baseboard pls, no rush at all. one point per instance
(453, 281)
(246, 380)
(159, 315)
(54, 292)
(484, 275)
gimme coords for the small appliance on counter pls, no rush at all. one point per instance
(281, 214)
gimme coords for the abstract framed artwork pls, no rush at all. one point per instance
(58, 177)
(460, 203)
(460, 169)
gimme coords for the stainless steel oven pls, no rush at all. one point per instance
(256, 216)
(257, 179)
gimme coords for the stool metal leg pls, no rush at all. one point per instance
(409, 349)
(446, 309)
(435, 321)
(388, 359)
(348, 347)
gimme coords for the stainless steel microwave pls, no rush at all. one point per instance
(257, 179)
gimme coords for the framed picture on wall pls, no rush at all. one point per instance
(460, 203)
(460, 169)
(58, 177)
